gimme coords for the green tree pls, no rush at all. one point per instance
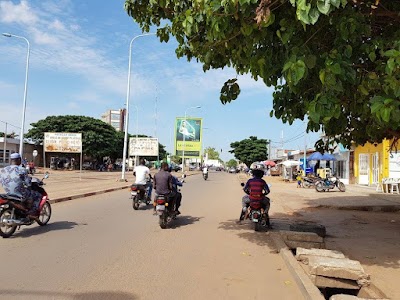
(212, 153)
(336, 62)
(99, 139)
(232, 163)
(250, 150)
(11, 135)
(176, 159)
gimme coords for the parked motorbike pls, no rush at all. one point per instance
(310, 181)
(257, 215)
(205, 176)
(139, 194)
(165, 208)
(330, 183)
(13, 212)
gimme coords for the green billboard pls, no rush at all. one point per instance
(188, 136)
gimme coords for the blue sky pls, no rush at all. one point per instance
(79, 65)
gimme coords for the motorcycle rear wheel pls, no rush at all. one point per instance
(135, 203)
(319, 187)
(45, 214)
(163, 221)
(6, 230)
(341, 187)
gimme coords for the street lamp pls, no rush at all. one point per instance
(137, 128)
(21, 142)
(128, 89)
(184, 143)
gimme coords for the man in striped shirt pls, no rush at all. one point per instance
(256, 189)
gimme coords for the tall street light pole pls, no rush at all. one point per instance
(184, 141)
(128, 89)
(21, 142)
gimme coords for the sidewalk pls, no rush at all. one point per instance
(361, 223)
(68, 185)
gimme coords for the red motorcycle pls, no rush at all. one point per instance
(256, 213)
(14, 213)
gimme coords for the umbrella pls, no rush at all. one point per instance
(256, 165)
(315, 156)
(290, 163)
(269, 163)
(328, 156)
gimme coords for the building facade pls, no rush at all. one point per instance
(116, 118)
(373, 162)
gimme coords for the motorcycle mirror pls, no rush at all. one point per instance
(46, 175)
(242, 184)
(183, 175)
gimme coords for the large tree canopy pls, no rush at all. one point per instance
(250, 150)
(99, 139)
(335, 61)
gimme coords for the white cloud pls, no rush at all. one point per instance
(57, 25)
(17, 13)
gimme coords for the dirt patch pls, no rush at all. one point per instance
(371, 237)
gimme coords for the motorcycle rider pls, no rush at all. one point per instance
(175, 192)
(163, 182)
(256, 189)
(205, 171)
(141, 172)
(15, 181)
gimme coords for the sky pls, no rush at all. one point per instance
(78, 65)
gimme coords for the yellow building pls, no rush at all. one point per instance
(372, 162)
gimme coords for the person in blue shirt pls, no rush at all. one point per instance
(15, 181)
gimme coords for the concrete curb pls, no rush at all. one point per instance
(374, 208)
(307, 288)
(88, 194)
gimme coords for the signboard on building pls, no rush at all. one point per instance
(65, 142)
(143, 146)
(188, 136)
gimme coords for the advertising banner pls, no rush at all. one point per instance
(143, 146)
(65, 142)
(188, 136)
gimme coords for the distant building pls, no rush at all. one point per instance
(116, 118)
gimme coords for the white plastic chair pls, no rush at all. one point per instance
(393, 185)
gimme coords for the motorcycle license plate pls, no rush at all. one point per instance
(160, 207)
(133, 193)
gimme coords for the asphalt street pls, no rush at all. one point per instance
(100, 248)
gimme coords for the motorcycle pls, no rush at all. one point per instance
(165, 208)
(139, 194)
(330, 183)
(205, 176)
(13, 212)
(257, 215)
(310, 181)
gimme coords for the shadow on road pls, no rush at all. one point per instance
(109, 295)
(30, 231)
(185, 220)
(246, 231)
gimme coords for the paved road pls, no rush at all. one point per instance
(99, 248)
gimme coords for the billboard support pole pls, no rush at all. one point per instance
(184, 143)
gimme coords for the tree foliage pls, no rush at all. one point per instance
(335, 61)
(250, 150)
(231, 163)
(11, 135)
(212, 153)
(99, 139)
